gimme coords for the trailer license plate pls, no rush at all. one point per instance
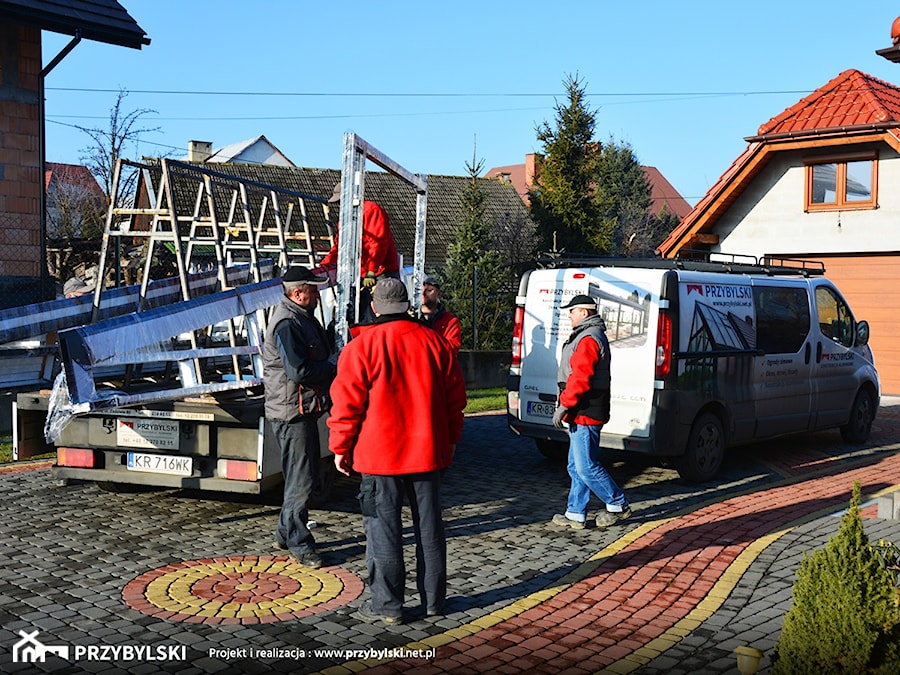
(540, 409)
(177, 466)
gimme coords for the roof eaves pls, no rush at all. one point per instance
(694, 221)
(99, 20)
(829, 132)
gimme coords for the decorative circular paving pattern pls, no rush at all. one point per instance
(240, 590)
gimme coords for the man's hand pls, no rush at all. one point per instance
(368, 280)
(558, 417)
(343, 464)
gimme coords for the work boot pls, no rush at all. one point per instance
(309, 559)
(366, 613)
(561, 520)
(607, 518)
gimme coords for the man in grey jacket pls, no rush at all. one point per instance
(298, 367)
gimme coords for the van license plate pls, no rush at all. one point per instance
(177, 466)
(540, 409)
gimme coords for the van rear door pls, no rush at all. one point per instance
(544, 329)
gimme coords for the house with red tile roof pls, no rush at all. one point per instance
(72, 195)
(662, 194)
(817, 182)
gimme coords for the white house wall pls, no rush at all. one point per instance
(768, 216)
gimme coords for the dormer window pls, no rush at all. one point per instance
(842, 183)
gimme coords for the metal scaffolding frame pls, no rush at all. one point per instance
(353, 170)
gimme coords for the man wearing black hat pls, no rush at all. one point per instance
(584, 384)
(399, 397)
(378, 253)
(434, 313)
(298, 366)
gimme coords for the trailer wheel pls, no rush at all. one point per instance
(861, 415)
(324, 482)
(558, 451)
(705, 450)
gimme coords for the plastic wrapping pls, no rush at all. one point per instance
(147, 337)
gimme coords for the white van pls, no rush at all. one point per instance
(705, 355)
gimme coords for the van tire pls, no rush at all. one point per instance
(705, 450)
(861, 415)
(558, 451)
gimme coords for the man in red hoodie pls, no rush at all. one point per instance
(397, 415)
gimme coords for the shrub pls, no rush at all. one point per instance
(844, 615)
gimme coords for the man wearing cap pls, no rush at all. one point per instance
(434, 313)
(76, 287)
(378, 254)
(584, 384)
(298, 366)
(398, 413)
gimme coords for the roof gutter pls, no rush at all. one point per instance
(823, 133)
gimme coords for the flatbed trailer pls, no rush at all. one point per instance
(195, 418)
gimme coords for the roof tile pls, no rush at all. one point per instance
(853, 98)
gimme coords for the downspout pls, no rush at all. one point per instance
(42, 151)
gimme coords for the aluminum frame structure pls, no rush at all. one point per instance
(353, 170)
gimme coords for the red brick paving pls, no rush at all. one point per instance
(644, 589)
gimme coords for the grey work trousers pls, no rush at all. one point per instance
(384, 540)
(298, 442)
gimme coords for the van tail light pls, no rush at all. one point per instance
(663, 345)
(518, 321)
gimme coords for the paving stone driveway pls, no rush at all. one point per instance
(182, 582)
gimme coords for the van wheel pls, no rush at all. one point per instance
(558, 451)
(705, 450)
(861, 415)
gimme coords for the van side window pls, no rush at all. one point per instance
(782, 318)
(835, 319)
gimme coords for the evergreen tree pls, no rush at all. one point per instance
(591, 197)
(561, 197)
(622, 199)
(844, 615)
(475, 269)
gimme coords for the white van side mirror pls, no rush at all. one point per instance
(862, 333)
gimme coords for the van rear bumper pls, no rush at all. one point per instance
(644, 446)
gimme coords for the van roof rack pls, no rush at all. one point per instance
(702, 261)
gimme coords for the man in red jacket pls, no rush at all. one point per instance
(378, 253)
(434, 313)
(584, 381)
(397, 415)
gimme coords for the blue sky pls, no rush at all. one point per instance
(432, 84)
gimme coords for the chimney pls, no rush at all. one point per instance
(199, 151)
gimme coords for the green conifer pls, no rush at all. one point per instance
(844, 615)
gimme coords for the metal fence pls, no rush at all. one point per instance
(22, 270)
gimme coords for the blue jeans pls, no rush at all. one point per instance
(384, 541)
(299, 445)
(588, 474)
